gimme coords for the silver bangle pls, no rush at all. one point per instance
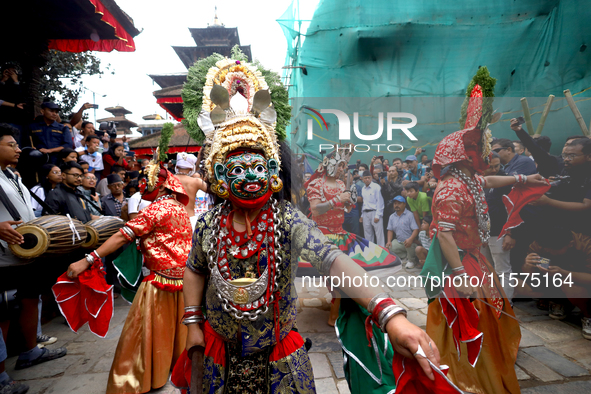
(193, 320)
(90, 259)
(97, 255)
(458, 268)
(128, 231)
(397, 310)
(376, 300)
(193, 308)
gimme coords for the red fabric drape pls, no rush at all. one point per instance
(519, 197)
(169, 100)
(123, 43)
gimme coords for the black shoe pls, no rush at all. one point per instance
(46, 356)
(14, 387)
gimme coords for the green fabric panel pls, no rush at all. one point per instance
(433, 267)
(351, 326)
(129, 265)
(429, 48)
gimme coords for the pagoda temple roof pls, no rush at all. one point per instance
(179, 142)
(215, 36)
(167, 80)
(118, 111)
(189, 55)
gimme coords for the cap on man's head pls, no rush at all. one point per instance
(113, 178)
(365, 173)
(399, 198)
(411, 158)
(50, 105)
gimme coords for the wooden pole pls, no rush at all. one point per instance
(527, 116)
(544, 115)
(573, 107)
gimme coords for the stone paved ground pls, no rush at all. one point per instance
(553, 356)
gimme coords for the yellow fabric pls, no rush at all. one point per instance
(494, 371)
(151, 341)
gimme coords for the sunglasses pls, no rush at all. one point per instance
(498, 150)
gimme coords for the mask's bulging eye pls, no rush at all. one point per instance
(237, 171)
(260, 169)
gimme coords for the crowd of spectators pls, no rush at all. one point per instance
(49, 166)
(393, 209)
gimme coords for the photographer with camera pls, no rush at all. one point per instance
(115, 156)
(568, 203)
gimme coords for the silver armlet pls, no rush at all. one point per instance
(128, 231)
(376, 300)
(388, 313)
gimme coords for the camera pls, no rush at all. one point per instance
(94, 106)
(110, 128)
(423, 150)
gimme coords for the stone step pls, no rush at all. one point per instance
(555, 362)
(533, 367)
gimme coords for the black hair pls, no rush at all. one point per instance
(544, 142)
(495, 155)
(85, 123)
(116, 168)
(290, 174)
(133, 183)
(82, 162)
(92, 137)
(575, 137)
(65, 153)
(364, 165)
(8, 130)
(111, 150)
(397, 159)
(43, 174)
(69, 165)
(585, 143)
(505, 143)
(412, 185)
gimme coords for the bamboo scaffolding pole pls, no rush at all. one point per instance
(578, 116)
(544, 115)
(527, 116)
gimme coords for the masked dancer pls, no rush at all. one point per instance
(153, 336)
(239, 293)
(473, 327)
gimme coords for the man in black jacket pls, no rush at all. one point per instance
(66, 198)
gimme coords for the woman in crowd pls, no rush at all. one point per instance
(115, 155)
(67, 155)
(49, 177)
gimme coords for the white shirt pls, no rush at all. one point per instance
(39, 192)
(95, 162)
(372, 199)
(136, 203)
(24, 208)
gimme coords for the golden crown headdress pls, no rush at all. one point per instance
(236, 113)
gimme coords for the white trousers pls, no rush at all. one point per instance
(374, 232)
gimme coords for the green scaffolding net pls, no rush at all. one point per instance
(418, 49)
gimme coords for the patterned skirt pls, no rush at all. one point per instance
(365, 253)
(281, 369)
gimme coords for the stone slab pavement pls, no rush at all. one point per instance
(553, 356)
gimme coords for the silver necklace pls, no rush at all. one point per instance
(166, 196)
(251, 296)
(480, 201)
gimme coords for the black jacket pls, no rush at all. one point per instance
(64, 200)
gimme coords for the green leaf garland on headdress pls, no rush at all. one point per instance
(487, 84)
(192, 94)
(165, 136)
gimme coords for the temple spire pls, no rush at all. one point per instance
(216, 20)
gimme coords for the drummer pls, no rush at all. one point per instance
(30, 278)
(66, 198)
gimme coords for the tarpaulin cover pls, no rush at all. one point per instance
(429, 48)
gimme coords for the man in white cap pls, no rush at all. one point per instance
(185, 172)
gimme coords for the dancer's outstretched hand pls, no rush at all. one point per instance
(406, 338)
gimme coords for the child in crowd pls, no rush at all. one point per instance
(423, 249)
(418, 202)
